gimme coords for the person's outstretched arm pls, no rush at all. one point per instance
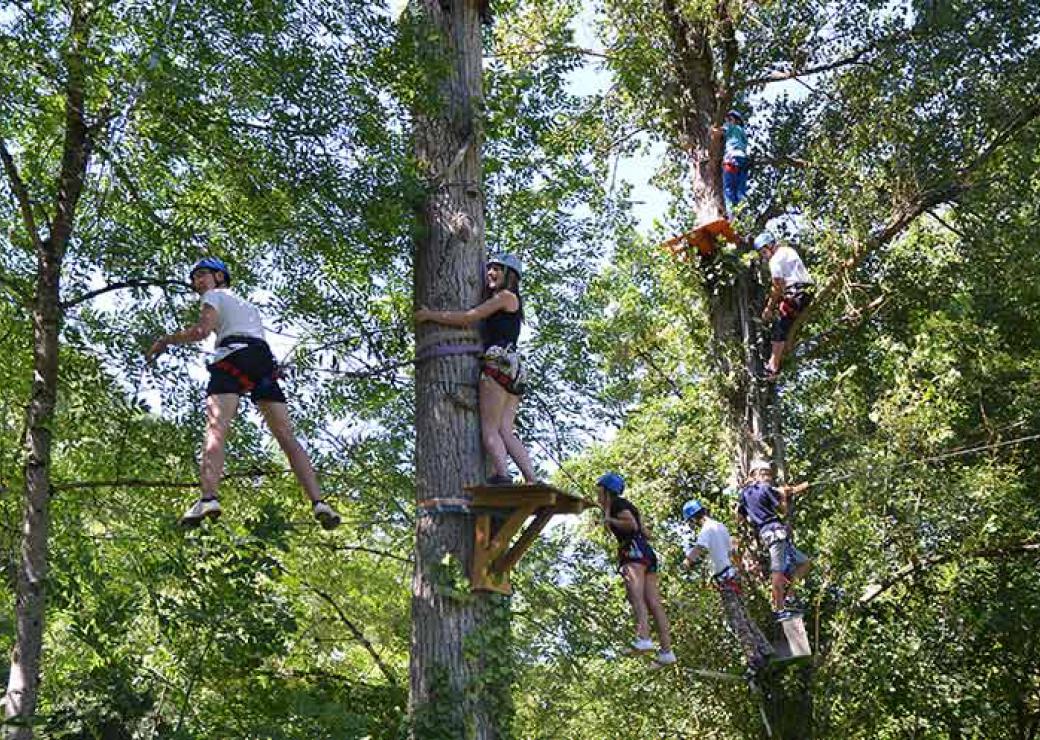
(196, 333)
(501, 301)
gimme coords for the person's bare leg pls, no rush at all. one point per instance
(493, 399)
(653, 602)
(276, 414)
(776, 357)
(635, 582)
(779, 588)
(799, 573)
(513, 445)
(220, 411)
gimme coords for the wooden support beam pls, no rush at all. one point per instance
(501, 512)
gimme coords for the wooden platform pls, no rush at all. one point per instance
(791, 642)
(702, 240)
(501, 512)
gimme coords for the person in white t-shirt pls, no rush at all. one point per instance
(243, 363)
(713, 540)
(789, 295)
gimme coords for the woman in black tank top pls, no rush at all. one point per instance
(501, 374)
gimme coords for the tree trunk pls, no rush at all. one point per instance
(704, 93)
(30, 606)
(460, 685)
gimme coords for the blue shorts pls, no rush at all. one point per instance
(784, 557)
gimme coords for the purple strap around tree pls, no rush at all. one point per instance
(446, 350)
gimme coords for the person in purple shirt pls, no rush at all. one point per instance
(764, 506)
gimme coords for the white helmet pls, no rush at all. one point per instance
(761, 464)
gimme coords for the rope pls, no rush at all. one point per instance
(926, 460)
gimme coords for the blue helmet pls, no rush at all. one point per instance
(212, 263)
(509, 262)
(612, 482)
(735, 114)
(763, 240)
(691, 509)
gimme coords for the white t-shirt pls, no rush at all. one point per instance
(235, 317)
(788, 266)
(714, 537)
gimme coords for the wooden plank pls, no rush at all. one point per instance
(792, 643)
(505, 563)
(509, 500)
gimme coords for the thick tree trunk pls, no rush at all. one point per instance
(460, 684)
(30, 607)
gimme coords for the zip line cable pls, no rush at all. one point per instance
(925, 460)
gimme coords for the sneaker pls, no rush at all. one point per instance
(326, 515)
(204, 507)
(642, 645)
(793, 604)
(500, 480)
(784, 614)
(664, 658)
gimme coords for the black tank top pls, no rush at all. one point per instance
(502, 328)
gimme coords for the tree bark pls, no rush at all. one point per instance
(459, 672)
(30, 607)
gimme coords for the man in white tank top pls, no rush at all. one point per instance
(242, 364)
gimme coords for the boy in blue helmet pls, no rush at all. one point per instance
(790, 293)
(637, 563)
(242, 364)
(713, 540)
(734, 161)
(764, 506)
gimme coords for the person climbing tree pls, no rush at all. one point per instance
(764, 506)
(713, 539)
(242, 364)
(789, 295)
(502, 372)
(734, 161)
(637, 563)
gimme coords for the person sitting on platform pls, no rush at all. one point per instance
(714, 540)
(501, 373)
(790, 293)
(764, 506)
(637, 564)
(242, 364)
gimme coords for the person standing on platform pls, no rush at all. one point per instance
(501, 372)
(764, 506)
(734, 161)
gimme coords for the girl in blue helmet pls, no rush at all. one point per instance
(637, 563)
(242, 364)
(501, 374)
(734, 161)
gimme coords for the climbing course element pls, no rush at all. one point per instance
(501, 512)
(791, 642)
(703, 240)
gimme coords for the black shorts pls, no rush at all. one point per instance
(248, 370)
(790, 307)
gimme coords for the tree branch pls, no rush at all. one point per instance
(357, 633)
(916, 566)
(21, 194)
(135, 283)
(962, 182)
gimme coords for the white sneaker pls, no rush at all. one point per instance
(326, 515)
(664, 657)
(200, 510)
(642, 645)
